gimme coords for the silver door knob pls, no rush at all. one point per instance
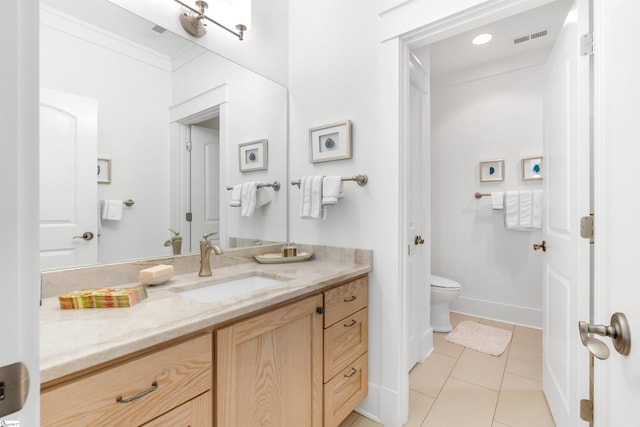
(618, 331)
(87, 235)
(418, 240)
(542, 246)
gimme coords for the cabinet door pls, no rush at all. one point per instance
(269, 368)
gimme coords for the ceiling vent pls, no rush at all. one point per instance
(530, 36)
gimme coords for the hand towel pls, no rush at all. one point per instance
(525, 208)
(536, 215)
(112, 210)
(248, 199)
(512, 203)
(332, 190)
(236, 196)
(497, 200)
(311, 197)
(263, 197)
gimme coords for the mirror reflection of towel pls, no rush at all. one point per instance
(248, 200)
(111, 210)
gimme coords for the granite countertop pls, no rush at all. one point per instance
(74, 340)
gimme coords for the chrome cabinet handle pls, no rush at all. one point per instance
(87, 235)
(353, 298)
(154, 387)
(542, 246)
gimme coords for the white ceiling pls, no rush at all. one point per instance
(457, 53)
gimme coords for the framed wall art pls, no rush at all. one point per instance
(253, 156)
(492, 170)
(104, 170)
(330, 142)
(532, 168)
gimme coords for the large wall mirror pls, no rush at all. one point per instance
(131, 112)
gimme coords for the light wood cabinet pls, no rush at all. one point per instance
(345, 350)
(138, 391)
(269, 368)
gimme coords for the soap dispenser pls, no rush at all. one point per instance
(175, 242)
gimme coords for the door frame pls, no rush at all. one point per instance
(395, 74)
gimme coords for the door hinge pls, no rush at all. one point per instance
(188, 146)
(586, 410)
(586, 227)
(189, 216)
(586, 44)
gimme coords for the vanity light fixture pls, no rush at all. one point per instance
(482, 39)
(192, 20)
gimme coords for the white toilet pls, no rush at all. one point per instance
(443, 291)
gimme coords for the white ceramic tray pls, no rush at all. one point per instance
(277, 258)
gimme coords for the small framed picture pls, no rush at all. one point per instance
(492, 170)
(532, 168)
(104, 170)
(254, 156)
(330, 142)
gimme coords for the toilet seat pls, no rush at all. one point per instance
(444, 284)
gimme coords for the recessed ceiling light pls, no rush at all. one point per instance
(482, 39)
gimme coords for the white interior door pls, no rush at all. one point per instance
(617, 287)
(205, 184)
(418, 257)
(566, 271)
(68, 180)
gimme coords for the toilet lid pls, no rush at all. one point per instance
(442, 282)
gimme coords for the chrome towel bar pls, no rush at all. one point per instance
(275, 185)
(361, 179)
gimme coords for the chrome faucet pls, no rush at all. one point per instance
(205, 254)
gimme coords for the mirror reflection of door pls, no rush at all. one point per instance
(68, 179)
(204, 179)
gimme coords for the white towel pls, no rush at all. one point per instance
(497, 200)
(248, 199)
(536, 215)
(332, 190)
(523, 210)
(311, 197)
(263, 196)
(111, 210)
(236, 196)
(512, 203)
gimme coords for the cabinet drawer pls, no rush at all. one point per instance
(345, 391)
(346, 299)
(344, 341)
(181, 372)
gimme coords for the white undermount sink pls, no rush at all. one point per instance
(231, 288)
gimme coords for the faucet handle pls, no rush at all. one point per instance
(207, 235)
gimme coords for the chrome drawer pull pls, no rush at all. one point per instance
(353, 298)
(352, 373)
(154, 387)
(353, 322)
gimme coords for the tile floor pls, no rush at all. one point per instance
(460, 387)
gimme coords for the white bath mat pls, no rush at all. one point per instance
(486, 339)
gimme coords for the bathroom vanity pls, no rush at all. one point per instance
(292, 353)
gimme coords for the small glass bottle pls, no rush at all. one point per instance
(284, 251)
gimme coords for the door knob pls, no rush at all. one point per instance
(618, 331)
(418, 240)
(87, 235)
(542, 246)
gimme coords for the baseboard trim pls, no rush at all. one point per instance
(518, 315)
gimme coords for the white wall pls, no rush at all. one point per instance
(334, 75)
(477, 117)
(133, 99)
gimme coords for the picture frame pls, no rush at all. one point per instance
(532, 168)
(104, 170)
(330, 142)
(253, 156)
(492, 170)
